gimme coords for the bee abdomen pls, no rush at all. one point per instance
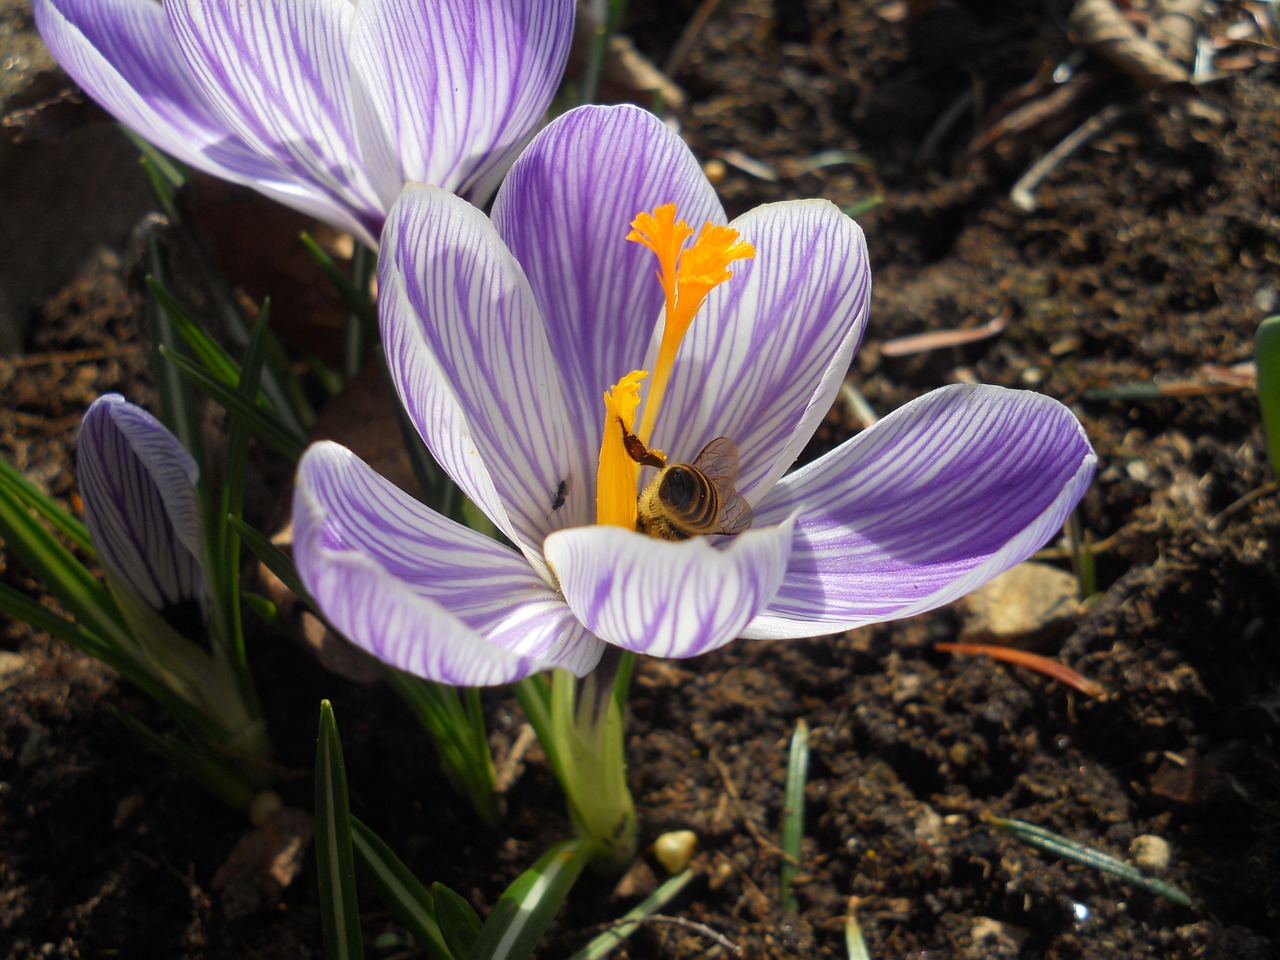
(691, 499)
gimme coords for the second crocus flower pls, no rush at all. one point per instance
(328, 106)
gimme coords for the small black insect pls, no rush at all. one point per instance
(557, 499)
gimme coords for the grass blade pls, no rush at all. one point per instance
(605, 943)
(339, 912)
(793, 815)
(200, 766)
(1060, 846)
(275, 559)
(265, 426)
(458, 734)
(854, 945)
(527, 907)
(178, 403)
(48, 508)
(400, 890)
(459, 924)
(1266, 356)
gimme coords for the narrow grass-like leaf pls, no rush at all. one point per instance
(197, 764)
(262, 424)
(607, 942)
(21, 607)
(534, 694)
(865, 205)
(399, 890)
(339, 912)
(354, 298)
(1266, 357)
(854, 944)
(1060, 846)
(178, 404)
(226, 561)
(58, 569)
(526, 908)
(793, 815)
(203, 347)
(173, 172)
(48, 508)
(457, 731)
(459, 923)
(275, 559)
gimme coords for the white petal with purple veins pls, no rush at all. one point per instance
(138, 487)
(278, 71)
(470, 359)
(565, 211)
(122, 52)
(448, 91)
(765, 358)
(931, 502)
(664, 598)
(419, 591)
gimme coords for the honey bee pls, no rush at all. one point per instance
(690, 499)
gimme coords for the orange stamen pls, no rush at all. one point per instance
(687, 277)
(618, 472)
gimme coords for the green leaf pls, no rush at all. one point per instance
(854, 944)
(399, 890)
(355, 298)
(605, 943)
(264, 425)
(196, 763)
(793, 815)
(457, 731)
(21, 607)
(1061, 846)
(275, 559)
(178, 407)
(526, 908)
(339, 911)
(1266, 355)
(203, 347)
(48, 508)
(459, 924)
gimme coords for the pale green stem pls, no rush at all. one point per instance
(587, 727)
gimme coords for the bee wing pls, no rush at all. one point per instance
(718, 462)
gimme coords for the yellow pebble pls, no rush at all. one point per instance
(674, 850)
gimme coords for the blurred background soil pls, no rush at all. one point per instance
(1127, 282)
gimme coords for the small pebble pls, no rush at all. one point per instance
(674, 850)
(1150, 853)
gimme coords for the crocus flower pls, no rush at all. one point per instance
(141, 508)
(328, 106)
(502, 337)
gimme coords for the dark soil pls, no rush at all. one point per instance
(1153, 250)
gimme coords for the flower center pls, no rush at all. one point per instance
(687, 275)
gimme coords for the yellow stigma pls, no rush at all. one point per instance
(617, 474)
(687, 276)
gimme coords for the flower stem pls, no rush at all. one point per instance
(587, 728)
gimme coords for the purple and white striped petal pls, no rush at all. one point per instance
(765, 358)
(930, 503)
(419, 591)
(565, 211)
(279, 73)
(665, 598)
(448, 92)
(138, 487)
(470, 360)
(122, 52)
